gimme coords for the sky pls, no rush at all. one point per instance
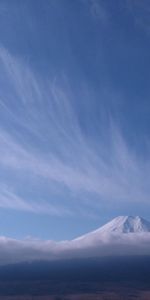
(74, 115)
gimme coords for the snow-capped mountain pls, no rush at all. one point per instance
(119, 225)
(127, 224)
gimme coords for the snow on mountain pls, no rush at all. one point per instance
(119, 225)
(127, 224)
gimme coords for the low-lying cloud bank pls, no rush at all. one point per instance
(13, 251)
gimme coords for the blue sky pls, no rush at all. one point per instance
(74, 115)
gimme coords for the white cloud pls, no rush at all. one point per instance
(140, 12)
(12, 251)
(98, 10)
(43, 138)
(9, 199)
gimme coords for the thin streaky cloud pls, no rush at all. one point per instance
(9, 199)
(45, 113)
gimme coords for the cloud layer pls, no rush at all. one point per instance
(13, 251)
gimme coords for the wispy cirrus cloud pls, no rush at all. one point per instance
(98, 10)
(41, 134)
(140, 12)
(9, 199)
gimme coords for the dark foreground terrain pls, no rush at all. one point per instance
(101, 278)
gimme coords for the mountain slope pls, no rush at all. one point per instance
(127, 224)
(120, 225)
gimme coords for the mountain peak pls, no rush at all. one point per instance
(127, 224)
(119, 225)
